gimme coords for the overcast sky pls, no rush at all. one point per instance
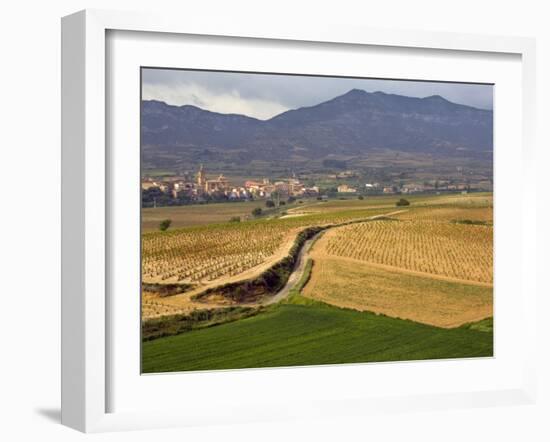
(264, 96)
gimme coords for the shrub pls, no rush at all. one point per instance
(269, 203)
(402, 202)
(164, 224)
(257, 211)
(235, 219)
(166, 289)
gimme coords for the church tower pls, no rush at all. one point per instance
(201, 177)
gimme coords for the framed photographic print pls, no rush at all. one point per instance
(252, 213)
(305, 220)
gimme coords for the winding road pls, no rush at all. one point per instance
(301, 261)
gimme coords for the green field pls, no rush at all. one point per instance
(311, 334)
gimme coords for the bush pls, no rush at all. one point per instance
(269, 203)
(282, 203)
(235, 219)
(166, 289)
(361, 197)
(402, 202)
(163, 226)
(181, 323)
(257, 211)
(291, 199)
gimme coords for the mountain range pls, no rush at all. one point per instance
(350, 124)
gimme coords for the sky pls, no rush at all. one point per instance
(263, 96)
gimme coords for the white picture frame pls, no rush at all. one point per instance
(85, 201)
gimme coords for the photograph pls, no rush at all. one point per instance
(292, 220)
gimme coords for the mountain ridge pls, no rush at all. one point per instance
(351, 123)
(430, 97)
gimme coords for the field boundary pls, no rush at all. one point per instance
(395, 269)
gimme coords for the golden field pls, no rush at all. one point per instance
(421, 298)
(431, 262)
(432, 265)
(206, 253)
(456, 251)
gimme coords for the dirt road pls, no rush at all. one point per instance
(300, 265)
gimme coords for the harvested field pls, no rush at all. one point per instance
(364, 287)
(196, 214)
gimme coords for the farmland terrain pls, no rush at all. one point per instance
(310, 334)
(369, 282)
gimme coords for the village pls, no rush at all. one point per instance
(220, 188)
(200, 188)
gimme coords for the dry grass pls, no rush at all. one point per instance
(361, 286)
(155, 306)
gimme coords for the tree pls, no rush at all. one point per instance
(402, 202)
(164, 224)
(269, 203)
(257, 211)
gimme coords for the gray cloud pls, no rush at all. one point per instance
(265, 95)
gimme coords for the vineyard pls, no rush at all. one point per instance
(453, 250)
(361, 265)
(430, 264)
(209, 253)
(450, 213)
(204, 254)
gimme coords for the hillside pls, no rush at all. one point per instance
(350, 124)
